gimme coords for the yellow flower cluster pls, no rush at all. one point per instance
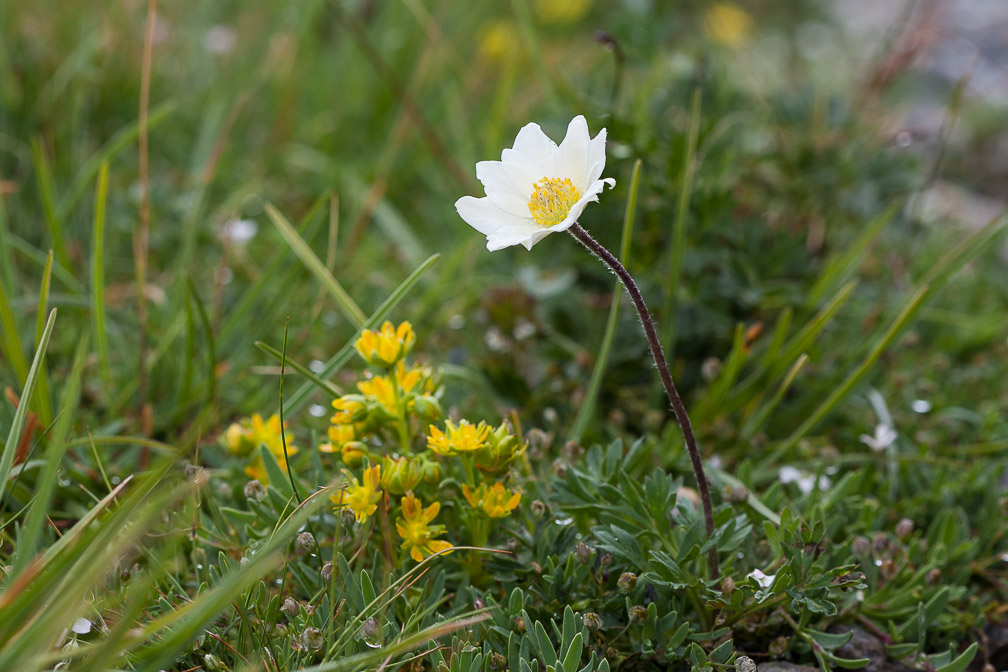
(244, 437)
(394, 471)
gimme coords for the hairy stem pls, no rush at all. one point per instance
(678, 407)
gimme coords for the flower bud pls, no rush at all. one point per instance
(520, 626)
(306, 541)
(427, 407)
(745, 664)
(498, 662)
(779, 647)
(254, 490)
(736, 494)
(312, 639)
(727, 585)
(933, 577)
(626, 582)
(213, 663)
(352, 453)
(327, 572)
(400, 475)
(637, 614)
(861, 546)
(592, 621)
(583, 553)
(290, 607)
(904, 528)
(539, 508)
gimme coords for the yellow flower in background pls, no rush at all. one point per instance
(361, 498)
(500, 42)
(538, 187)
(416, 531)
(340, 434)
(386, 346)
(561, 11)
(257, 470)
(496, 501)
(244, 437)
(462, 438)
(728, 24)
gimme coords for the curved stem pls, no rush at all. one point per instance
(678, 407)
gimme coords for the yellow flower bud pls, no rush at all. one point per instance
(352, 453)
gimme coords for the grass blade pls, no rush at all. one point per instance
(337, 361)
(351, 310)
(42, 399)
(31, 532)
(98, 271)
(21, 414)
(11, 341)
(587, 407)
(936, 278)
(323, 385)
(843, 265)
(678, 247)
(53, 221)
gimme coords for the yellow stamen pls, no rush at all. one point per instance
(552, 198)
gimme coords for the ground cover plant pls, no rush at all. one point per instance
(269, 404)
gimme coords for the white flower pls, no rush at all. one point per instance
(764, 580)
(537, 187)
(806, 481)
(884, 437)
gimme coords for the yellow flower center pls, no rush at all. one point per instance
(552, 198)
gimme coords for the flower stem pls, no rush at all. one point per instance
(678, 407)
(400, 404)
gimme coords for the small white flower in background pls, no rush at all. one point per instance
(806, 481)
(764, 580)
(884, 437)
(81, 626)
(238, 231)
(537, 187)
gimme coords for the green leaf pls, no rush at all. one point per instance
(846, 663)
(573, 656)
(829, 640)
(278, 478)
(961, 661)
(546, 650)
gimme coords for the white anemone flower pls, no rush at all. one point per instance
(537, 187)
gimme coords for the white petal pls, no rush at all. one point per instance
(527, 237)
(523, 173)
(596, 156)
(81, 626)
(535, 146)
(501, 188)
(572, 155)
(483, 215)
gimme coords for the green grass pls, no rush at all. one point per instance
(761, 208)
